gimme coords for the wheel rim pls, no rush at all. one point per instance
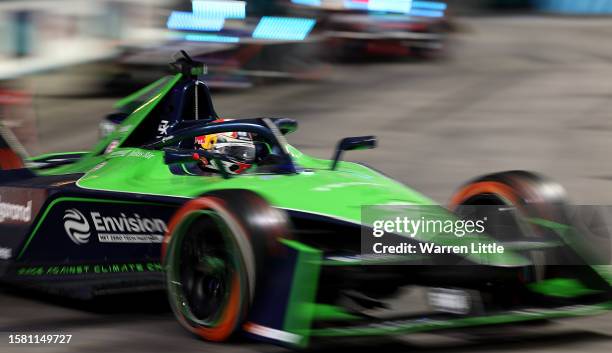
(202, 268)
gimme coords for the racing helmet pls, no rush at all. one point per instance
(236, 147)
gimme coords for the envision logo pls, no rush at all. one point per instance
(126, 224)
(76, 226)
(126, 228)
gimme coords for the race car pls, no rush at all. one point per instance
(230, 65)
(379, 29)
(270, 245)
(241, 47)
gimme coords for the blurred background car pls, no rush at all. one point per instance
(242, 44)
(357, 29)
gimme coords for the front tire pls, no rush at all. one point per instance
(526, 195)
(215, 250)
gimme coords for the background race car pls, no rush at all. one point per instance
(241, 44)
(379, 29)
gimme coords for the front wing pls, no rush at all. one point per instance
(286, 311)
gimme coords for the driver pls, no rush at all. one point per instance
(237, 148)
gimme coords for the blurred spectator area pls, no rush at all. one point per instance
(37, 35)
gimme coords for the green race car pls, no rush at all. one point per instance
(276, 248)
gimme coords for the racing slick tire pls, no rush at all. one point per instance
(531, 196)
(214, 252)
(527, 195)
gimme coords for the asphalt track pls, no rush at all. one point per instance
(517, 93)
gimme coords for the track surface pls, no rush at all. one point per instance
(518, 93)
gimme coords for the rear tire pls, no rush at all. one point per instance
(214, 252)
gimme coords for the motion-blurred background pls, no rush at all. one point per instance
(452, 89)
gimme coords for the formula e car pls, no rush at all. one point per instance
(368, 29)
(230, 65)
(273, 252)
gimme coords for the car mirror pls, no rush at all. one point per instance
(351, 144)
(286, 125)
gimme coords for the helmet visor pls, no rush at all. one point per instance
(243, 153)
